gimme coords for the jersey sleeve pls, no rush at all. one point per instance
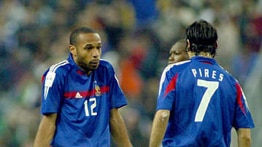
(52, 93)
(167, 90)
(116, 95)
(243, 118)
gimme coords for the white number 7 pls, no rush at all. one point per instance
(211, 88)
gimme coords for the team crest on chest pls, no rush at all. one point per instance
(97, 89)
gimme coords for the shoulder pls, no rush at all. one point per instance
(172, 69)
(54, 72)
(228, 75)
(59, 68)
(177, 67)
(104, 64)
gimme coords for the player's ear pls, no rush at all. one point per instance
(216, 45)
(72, 49)
(187, 44)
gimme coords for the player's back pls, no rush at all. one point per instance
(204, 104)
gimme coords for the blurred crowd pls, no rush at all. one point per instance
(136, 35)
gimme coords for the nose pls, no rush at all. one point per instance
(96, 53)
(171, 57)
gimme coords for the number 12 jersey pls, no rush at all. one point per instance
(82, 103)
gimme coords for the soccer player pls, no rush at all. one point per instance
(178, 52)
(81, 97)
(199, 102)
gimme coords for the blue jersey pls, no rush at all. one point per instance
(82, 103)
(205, 102)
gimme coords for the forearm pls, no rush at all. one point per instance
(45, 132)
(244, 137)
(159, 128)
(118, 129)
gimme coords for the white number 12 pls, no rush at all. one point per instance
(92, 107)
(211, 88)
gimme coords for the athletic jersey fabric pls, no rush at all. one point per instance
(205, 102)
(82, 103)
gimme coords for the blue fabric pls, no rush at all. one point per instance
(205, 102)
(82, 102)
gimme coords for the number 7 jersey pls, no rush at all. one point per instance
(205, 102)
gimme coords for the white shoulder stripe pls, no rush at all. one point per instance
(50, 77)
(168, 67)
(55, 66)
(163, 76)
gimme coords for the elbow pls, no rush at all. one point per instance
(245, 140)
(163, 115)
(244, 137)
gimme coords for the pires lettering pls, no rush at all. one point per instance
(206, 73)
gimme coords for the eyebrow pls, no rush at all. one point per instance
(90, 44)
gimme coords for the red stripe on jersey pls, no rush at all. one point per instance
(171, 85)
(43, 78)
(239, 98)
(84, 94)
(206, 62)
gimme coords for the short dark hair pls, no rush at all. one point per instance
(202, 37)
(75, 33)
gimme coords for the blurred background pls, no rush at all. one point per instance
(136, 35)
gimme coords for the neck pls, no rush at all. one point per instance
(202, 54)
(81, 65)
(87, 71)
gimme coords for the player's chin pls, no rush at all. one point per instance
(171, 62)
(94, 66)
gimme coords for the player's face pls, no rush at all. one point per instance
(177, 54)
(87, 51)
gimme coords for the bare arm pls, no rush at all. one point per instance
(244, 137)
(118, 129)
(45, 131)
(159, 127)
